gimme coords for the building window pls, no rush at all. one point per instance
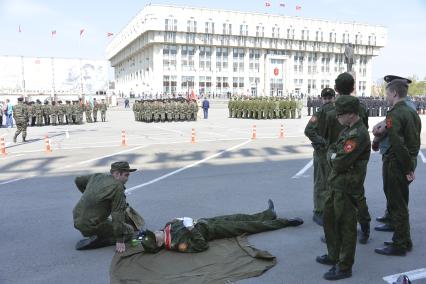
(205, 58)
(187, 55)
(221, 58)
(254, 56)
(238, 59)
(169, 57)
(187, 83)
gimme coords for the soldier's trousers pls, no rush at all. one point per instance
(21, 126)
(39, 120)
(61, 119)
(103, 116)
(54, 119)
(363, 216)
(397, 194)
(95, 116)
(88, 116)
(340, 227)
(321, 171)
(228, 226)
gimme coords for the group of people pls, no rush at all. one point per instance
(265, 108)
(165, 110)
(55, 113)
(339, 134)
(103, 196)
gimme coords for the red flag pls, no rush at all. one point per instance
(267, 4)
(53, 33)
(298, 7)
(37, 61)
(19, 29)
(110, 34)
(81, 32)
(282, 5)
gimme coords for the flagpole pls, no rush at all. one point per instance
(23, 77)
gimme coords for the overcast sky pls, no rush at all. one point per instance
(404, 54)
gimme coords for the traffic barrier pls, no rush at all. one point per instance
(3, 147)
(47, 144)
(123, 138)
(193, 136)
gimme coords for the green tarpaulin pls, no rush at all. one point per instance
(225, 261)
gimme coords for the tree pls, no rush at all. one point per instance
(417, 87)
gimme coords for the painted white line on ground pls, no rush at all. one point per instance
(422, 156)
(305, 168)
(16, 179)
(114, 154)
(412, 275)
(129, 190)
(13, 156)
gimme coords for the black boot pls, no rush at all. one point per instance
(365, 233)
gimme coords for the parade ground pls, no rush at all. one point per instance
(224, 171)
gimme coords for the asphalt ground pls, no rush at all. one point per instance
(224, 172)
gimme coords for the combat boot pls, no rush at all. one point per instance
(365, 233)
(14, 139)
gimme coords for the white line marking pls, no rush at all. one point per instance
(305, 168)
(422, 156)
(412, 275)
(129, 190)
(114, 154)
(16, 179)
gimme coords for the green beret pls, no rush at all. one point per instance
(121, 166)
(149, 242)
(346, 104)
(328, 92)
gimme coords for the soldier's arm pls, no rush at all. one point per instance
(118, 213)
(348, 152)
(81, 182)
(196, 242)
(394, 127)
(312, 131)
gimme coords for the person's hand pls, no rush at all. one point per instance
(410, 176)
(379, 129)
(120, 247)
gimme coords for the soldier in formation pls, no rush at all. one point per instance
(165, 110)
(20, 113)
(265, 108)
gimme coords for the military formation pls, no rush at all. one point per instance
(265, 108)
(55, 113)
(165, 110)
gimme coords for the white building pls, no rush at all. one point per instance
(170, 49)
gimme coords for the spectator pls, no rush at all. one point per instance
(9, 114)
(126, 103)
(206, 106)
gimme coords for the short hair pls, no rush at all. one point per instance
(119, 171)
(398, 86)
(344, 84)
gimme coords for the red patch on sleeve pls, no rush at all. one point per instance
(313, 119)
(389, 122)
(350, 145)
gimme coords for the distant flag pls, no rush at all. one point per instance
(298, 7)
(19, 29)
(81, 32)
(282, 5)
(267, 4)
(53, 33)
(37, 61)
(110, 34)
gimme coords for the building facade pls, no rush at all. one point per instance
(169, 49)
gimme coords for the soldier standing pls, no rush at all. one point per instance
(348, 159)
(55, 111)
(46, 113)
(103, 108)
(20, 113)
(88, 112)
(61, 112)
(399, 163)
(39, 113)
(316, 132)
(95, 110)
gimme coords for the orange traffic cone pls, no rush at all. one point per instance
(282, 132)
(253, 135)
(47, 144)
(193, 136)
(123, 138)
(3, 147)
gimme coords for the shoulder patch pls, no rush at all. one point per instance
(313, 119)
(350, 145)
(389, 122)
(183, 247)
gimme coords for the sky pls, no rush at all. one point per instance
(404, 53)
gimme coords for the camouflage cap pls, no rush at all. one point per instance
(328, 92)
(20, 99)
(149, 242)
(121, 166)
(346, 104)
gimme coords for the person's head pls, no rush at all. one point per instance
(327, 95)
(396, 89)
(121, 171)
(20, 100)
(344, 84)
(152, 242)
(347, 109)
